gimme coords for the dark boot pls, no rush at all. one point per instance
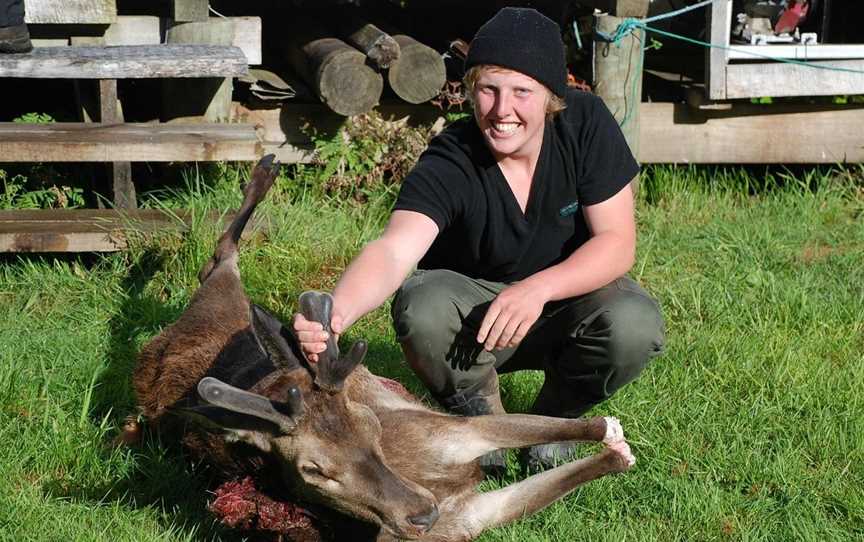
(541, 457)
(482, 401)
(15, 39)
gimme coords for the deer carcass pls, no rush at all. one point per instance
(231, 377)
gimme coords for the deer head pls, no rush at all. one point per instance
(328, 446)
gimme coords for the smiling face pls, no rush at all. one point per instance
(510, 109)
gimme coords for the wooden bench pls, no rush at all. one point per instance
(110, 140)
(113, 141)
(89, 230)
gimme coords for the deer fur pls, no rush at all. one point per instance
(232, 379)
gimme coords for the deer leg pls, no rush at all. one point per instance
(470, 438)
(486, 510)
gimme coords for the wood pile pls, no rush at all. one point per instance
(347, 54)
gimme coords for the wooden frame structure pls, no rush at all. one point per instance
(738, 71)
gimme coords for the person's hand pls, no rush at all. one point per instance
(312, 337)
(510, 316)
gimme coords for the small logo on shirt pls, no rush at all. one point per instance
(569, 209)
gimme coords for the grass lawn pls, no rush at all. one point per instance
(750, 427)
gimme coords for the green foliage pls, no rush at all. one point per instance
(368, 153)
(19, 193)
(35, 118)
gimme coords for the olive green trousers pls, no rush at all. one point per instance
(588, 346)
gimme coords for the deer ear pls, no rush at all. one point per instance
(267, 330)
(283, 415)
(237, 426)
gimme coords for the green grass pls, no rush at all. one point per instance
(748, 428)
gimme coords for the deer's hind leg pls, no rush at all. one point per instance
(480, 511)
(466, 439)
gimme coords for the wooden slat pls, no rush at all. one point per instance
(70, 11)
(716, 58)
(780, 79)
(126, 62)
(89, 230)
(751, 134)
(799, 52)
(86, 142)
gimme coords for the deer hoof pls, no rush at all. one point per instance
(614, 431)
(622, 450)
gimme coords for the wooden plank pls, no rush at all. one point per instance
(111, 112)
(247, 36)
(126, 62)
(126, 30)
(716, 58)
(207, 99)
(190, 10)
(798, 52)
(751, 134)
(83, 142)
(70, 11)
(780, 79)
(90, 230)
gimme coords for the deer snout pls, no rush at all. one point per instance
(424, 522)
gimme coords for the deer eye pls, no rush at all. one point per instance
(311, 468)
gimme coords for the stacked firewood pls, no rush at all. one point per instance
(346, 63)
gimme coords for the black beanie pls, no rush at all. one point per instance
(524, 40)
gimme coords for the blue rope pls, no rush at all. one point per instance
(628, 25)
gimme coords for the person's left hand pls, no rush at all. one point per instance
(510, 316)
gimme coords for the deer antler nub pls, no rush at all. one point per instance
(331, 369)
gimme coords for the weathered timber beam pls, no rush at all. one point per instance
(126, 62)
(70, 11)
(750, 134)
(89, 142)
(190, 10)
(90, 230)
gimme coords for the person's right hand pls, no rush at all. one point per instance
(312, 337)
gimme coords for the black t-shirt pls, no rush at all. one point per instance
(483, 233)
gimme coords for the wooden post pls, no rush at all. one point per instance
(121, 172)
(190, 10)
(208, 98)
(618, 70)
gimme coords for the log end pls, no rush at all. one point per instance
(418, 74)
(384, 51)
(350, 89)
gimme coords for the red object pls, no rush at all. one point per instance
(241, 505)
(792, 17)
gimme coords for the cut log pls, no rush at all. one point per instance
(337, 72)
(377, 45)
(419, 74)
